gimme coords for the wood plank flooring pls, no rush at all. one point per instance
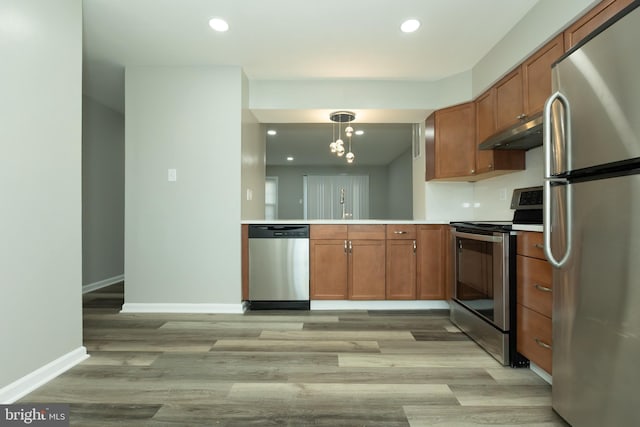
(289, 368)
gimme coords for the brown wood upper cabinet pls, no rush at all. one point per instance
(593, 19)
(492, 161)
(523, 92)
(450, 142)
(536, 75)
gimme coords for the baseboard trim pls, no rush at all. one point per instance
(181, 308)
(379, 305)
(90, 287)
(30, 382)
(541, 373)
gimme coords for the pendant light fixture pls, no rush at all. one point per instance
(337, 145)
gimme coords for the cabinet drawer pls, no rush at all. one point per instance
(529, 243)
(401, 231)
(328, 231)
(534, 337)
(534, 284)
(366, 232)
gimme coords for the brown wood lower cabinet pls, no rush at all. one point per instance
(535, 299)
(328, 264)
(366, 269)
(347, 262)
(401, 262)
(377, 262)
(534, 337)
(432, 261)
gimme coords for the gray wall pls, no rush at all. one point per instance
(290, 188)
(401, 187)
(182, 238)
(40, 176)
(102, 192)
(253, 160)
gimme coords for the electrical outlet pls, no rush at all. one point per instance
(503, 194)
(172, 175)
(249, 194)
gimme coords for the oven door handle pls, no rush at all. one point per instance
(482, 237)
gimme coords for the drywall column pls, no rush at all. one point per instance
(182, 237)
(40, 191)
(102, 195)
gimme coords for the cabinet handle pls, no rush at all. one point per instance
(399, 232)
(345, 246)
(543, 344)
(473, 171)
(542, 288)
(350, 247)
(490, 166)
(414, 247)
(538, 246)
(521, 116)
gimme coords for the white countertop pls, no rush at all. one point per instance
(340, 221)
(528, 227)
(516, 227)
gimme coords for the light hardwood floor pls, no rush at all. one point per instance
(289, 368)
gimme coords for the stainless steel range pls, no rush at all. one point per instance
(484, 295)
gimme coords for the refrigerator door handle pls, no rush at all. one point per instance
(548, 158)
(546, 129)
(547, 226)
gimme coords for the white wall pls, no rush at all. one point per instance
(102, 192)
(40, 184)
(182, 238)
(489, 203)
(254, 145)
(273, 100)
(488, 200)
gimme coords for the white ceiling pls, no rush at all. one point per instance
(294, 40)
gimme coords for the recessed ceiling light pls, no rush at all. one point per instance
(359, 132)
(410, 25)
(219, 24)
(290, 159)
(272, 132)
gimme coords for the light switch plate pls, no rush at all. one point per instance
(172, 175)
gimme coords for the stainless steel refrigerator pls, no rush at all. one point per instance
(592, 225)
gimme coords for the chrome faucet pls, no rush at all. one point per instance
(344, 212)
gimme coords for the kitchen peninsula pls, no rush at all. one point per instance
(372, 264)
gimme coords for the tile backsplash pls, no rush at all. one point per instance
(487, 200)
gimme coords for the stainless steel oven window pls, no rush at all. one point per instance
(481, 275)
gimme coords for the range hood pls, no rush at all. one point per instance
(522, 136)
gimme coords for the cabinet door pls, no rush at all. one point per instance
(328, 266)
(533, 337)
(401, 269)
(509, 104)
(590, 21)
(536, 73)
(367, 269)
(454, 141)
(431, 261)
(485, 127)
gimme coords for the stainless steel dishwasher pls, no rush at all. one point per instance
(278, 266)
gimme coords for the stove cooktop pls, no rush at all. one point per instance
(500, 226)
